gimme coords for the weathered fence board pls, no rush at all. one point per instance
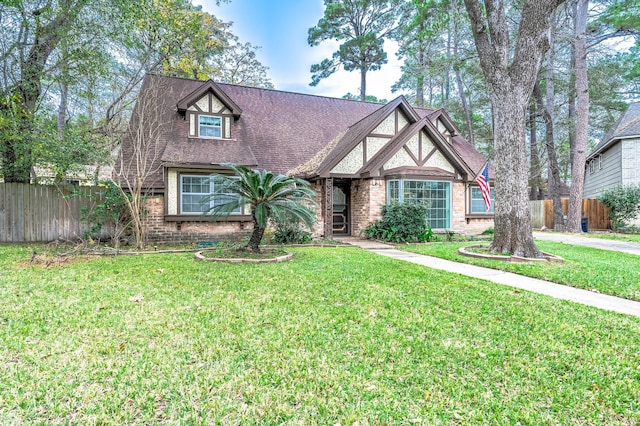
(39, 213)
(595, 212)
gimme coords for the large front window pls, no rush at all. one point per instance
(209, 127)
(435, 194)
(195, 194)
(478, 205)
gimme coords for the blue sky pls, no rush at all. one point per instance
(280, 27)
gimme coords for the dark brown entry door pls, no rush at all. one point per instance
(341, 210)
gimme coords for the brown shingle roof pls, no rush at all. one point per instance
(627, 126)
(278, 131)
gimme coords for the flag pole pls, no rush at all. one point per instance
(481, 169)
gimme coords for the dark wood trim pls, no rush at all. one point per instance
(209, 87)
(328, 207)
(389, 150)
(396, 127)
(197, 168)
(203, 218)
(467, 210)
(429, 155)
(365, 145)
(344, 175)
(165, 193)
(414, 173)
(210, 172)
(479, 216)
(340, 151)
(223, 125)
(448, 123)
(413, 157)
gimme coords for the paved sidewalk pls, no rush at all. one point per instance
(578, 240)
(558, 291)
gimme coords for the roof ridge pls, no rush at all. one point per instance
(195, 80)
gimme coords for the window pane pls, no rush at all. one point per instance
(393, 188)
(437, 196)
(194, 191)
(477, 202)
(210, 126)
(223, 198)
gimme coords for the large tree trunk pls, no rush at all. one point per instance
(535, 179)
(553, 173)
(363, 83)
(582, 120)
(511, 72)
(463, 97)
(420, 78)
(512, 215)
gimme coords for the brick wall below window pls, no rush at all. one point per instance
(159, 231)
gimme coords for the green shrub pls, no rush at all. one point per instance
(290, 233)
(109, 213)
(401, 222)
(488, 231)
(623, 203)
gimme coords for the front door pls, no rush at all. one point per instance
(341, 210)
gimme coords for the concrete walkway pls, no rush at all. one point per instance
(578, 240)
(558, 291)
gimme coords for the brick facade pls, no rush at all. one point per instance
(369, 195)
(367, 198)
(159, 231)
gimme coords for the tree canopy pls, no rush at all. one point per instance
(361, 26)
(83, 61)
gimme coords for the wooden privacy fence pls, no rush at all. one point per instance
(39, 213)
(596, 213)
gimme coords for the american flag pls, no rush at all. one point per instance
(483, 183)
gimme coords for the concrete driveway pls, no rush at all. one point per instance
(578, 240)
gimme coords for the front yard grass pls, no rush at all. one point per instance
(335, 336)
(608, 272)
(616, 236)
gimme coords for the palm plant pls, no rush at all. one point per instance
(269, 196)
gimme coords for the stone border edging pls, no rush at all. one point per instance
(548, 257)
(198, 255)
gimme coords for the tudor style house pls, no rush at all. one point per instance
(358, 156)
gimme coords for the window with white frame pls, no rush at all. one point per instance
(435, 194)
(477, 202)
(209, 126)
(196, 194)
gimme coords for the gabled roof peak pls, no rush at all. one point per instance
(212, 87)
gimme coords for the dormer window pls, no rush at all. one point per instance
(209, 126)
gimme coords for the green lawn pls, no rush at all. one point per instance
(629, 238)
(338, 335)
(617, 274)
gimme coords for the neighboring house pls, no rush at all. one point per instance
(616, 159)
(84, 175)
(358, 156)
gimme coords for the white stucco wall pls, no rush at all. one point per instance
(172, 192)
(400, 159)
(374, 145)
(387, 127)
(352, 162)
